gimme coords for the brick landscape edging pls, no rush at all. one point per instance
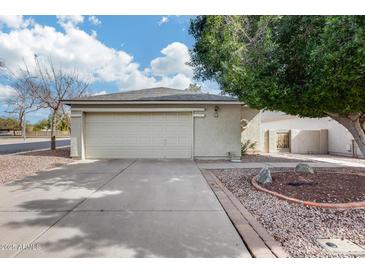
(259, 242)
(310, 203)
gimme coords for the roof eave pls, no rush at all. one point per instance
(116, 102)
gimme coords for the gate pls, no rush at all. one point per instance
(283, 141)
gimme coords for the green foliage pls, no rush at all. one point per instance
(9, 124)
(302, 65)
(41, 125)
(64, 122)
(194, 87)
(246, 146)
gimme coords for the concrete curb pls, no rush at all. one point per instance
(310, 203)
(258, 241)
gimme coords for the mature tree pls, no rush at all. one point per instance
(24, 100)
(56, 84)
(44, 86)
(194, 87)
(311, 66)
(64, 122)
(9, 124)
(42, 124)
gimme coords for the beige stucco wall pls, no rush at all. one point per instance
(305, 141)
(253, 128)
(214, 136)
(301, 141)
(77, 119)
(323, 141)
(339, 138)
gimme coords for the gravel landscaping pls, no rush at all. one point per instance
(16, 167)
(321, 187)
(295, 226)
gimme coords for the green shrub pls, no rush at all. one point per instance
(246, 146)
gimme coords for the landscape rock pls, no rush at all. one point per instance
(264, 176)
(296, 226)
(304, 168)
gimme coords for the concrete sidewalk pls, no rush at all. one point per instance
(326, 158)
(227, 164)
(292, 161)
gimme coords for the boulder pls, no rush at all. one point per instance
(304, 168)
(264, 176)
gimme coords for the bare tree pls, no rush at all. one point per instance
(44, 86)
(54, 85)
(23, 101)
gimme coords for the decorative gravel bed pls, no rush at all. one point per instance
(321, 187)
(295, 226)
(15, 167)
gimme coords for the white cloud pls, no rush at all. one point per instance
(75, 48)
(163, 20)
(6, 92)
(94, 33)
(91, 93)
(70, 21)
(103, 92)
(174, 61)
(14, 21)
(94, 20)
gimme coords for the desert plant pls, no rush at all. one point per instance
(246, 146)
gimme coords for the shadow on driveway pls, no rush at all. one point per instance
(117, 208)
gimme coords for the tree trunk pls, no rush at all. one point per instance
(21, 121)
(53, 136)
(356, 126)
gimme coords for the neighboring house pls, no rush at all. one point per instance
(159, 123)
(307, 135)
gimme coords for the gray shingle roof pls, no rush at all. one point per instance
(156, 94)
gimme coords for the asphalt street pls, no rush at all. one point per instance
(20, 147)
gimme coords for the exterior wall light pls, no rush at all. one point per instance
(216, 108)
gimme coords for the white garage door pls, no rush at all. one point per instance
(138, 135)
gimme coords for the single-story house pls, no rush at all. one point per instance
(159, 123)
(306, 135)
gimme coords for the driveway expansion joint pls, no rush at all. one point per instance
(75, 206)
(142, 208)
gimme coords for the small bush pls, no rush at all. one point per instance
(246, 146)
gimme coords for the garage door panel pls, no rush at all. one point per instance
(128, 153)
(138, 135)
(128, 143)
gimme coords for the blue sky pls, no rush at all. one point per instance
(116, 52)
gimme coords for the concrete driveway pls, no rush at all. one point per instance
(116, 208)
